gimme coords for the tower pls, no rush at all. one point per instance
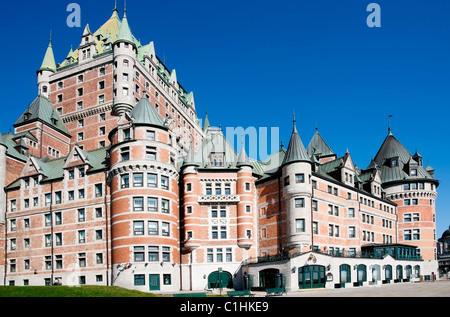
(143, 178)
(47, 68)
(410, 185)
(124, 52)
(297, 192)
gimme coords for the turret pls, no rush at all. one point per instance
(246, 191)
(2, 180)
(125, 52)
(297, 191)
(47, 68)
(144, 193)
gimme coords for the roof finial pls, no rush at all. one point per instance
(389, 123)
(125, 8)
(294, 116)
(115, 5)
(316, 127)
(50, 40)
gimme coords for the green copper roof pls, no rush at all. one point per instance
(42, 109)
(392, 148)
(317, 146)
(243, 159)
(206, 124)
(296, 151)
(49, 59)
(144, 113)
(125, 34)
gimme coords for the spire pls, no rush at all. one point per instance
(206, 125)
(49, 59)
(125, 34)
(144, 113)
(295, 151)
(243, 158)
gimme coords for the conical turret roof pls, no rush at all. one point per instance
(296, 151)
(144, 113)
(49, 59)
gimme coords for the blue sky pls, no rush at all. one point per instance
(252, 62)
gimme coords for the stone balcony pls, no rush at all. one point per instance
(206, 199)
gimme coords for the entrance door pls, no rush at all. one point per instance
(311, 276)
(222, 279)
(154, 282)
(267, 278)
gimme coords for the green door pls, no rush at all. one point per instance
(220, 279)
(154, 282)
(311, 276)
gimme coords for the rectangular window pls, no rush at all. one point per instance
(153, 229)
(138, 204)
(300, 225)
(299, 178)
(152, 181)
(138, 228)
(165, 207)
(138, 180)
(165, 229)
(152, 204)
(299, 202)
(164, 182)
(125, 181)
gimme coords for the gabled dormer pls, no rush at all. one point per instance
(411, 167)
(418, 158)
(77, 162)
(31, 168)
(348, 170)
(86, 50)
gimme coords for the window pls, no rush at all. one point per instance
(247, 187)
(299, 202)
(138, 204)
(151, 181)
(165, 207)
(286, 181)
(299, 178)
(153, 228)
(101, 85)
(138, 180)
(227, 189)
(315, 205)
(164, 182)
(151, 135)
(407, 202)
(138, 228)
(165, 229)
(351, 212)
(98, 190)
(208, 189)
(300, 225)
(81, 215)
(414, 172)
(351, 232)
(125, 181)
(152, 204)
(188, 187)
(139, 279)
(81, 236)
(150, 153)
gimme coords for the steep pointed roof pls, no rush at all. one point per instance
(42, 109)
(243, 159)
(49, 59)
(391, 147)
(144, 113)
(125, 34)
(206, 124)
(317, 145)
(296, 151)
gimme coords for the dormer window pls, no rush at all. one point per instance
(414, 172)
(394, 162)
